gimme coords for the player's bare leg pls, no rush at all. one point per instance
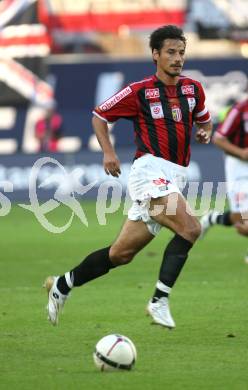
(174, 212)
(132, 238)
(171, 211)
(242, 229)
(228, 218)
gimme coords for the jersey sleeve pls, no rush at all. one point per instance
(201, 113)
(121, 105)
(230, 124)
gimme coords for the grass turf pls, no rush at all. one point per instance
(207, 350)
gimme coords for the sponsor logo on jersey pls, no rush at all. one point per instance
(115, 99)
(156, 110)
(176, 113)
(152, 93)
(192, 104)
(188, 89)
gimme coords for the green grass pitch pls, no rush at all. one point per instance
(207, 350)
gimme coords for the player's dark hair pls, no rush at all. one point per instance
(165, 32)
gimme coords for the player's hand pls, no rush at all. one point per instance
(244, 154)
(111, 164)
(242, 228)
(202, 136)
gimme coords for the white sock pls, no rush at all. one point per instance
(162, 287)
(69, 279)
(213, 217)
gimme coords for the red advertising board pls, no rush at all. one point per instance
(108, 16)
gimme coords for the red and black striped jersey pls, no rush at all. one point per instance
(162, 115)
(235, 125)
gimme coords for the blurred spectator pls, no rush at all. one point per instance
(48, 130)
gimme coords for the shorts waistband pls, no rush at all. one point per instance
(163, 162)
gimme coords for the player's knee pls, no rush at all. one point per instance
(193, 230)
(190, 229)
(120, 256)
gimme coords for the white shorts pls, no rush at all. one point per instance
(152, 177)
(237, 184)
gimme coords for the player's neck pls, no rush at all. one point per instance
(167, 79)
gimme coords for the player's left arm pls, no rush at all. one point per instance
(202, 118)
(204, 132)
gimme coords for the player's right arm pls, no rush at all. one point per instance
(111, 162)
(121, 105)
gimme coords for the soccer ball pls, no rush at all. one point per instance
(115, 352)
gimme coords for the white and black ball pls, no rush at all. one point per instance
(115, 352)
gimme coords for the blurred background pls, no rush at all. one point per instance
(60, 58)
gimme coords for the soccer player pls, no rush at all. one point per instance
(163, 108)
(232, 137)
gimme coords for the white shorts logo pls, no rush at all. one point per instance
(192, 104)
(115, 99)
(156, 110)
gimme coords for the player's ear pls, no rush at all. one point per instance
(155, 55)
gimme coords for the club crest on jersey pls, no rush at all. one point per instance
(192, 104)
(152, 93)
(156, 110)
(176, 113)
(188, 89)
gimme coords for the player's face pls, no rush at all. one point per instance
(170, 58)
